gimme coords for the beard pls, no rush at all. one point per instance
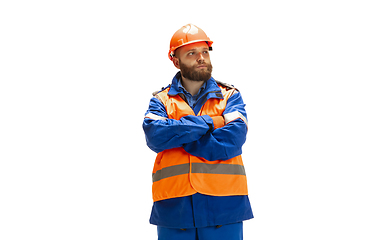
(198, 75)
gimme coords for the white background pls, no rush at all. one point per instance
(77, 76)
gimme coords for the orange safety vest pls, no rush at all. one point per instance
(177, 173)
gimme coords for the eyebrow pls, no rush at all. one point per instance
(194, 49)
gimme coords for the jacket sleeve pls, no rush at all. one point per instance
(225, 142)
(162, 133)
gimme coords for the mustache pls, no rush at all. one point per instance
(194, 74)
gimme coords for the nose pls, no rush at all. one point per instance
(200, 57)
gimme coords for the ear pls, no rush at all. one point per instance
(176, 62)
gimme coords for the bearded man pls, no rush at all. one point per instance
(197, 127)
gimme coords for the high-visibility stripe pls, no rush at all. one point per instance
(232, 169)
(229, 117)
(170, 172)
(155, 117)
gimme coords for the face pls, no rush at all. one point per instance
(194, 62)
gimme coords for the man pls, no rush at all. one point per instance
(197, 126)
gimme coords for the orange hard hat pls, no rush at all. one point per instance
(186, 35)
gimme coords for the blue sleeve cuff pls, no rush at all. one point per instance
(208, 120)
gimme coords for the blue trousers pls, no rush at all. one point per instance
(225, 232)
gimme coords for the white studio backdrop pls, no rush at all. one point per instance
(77, 76)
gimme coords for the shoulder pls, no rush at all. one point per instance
(162, 90)
(226, 86)
(227, 89)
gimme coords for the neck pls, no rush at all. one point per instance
(191, 86)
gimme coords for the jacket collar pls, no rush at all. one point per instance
(211, 87)
(180, 86)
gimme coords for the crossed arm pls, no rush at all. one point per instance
(201, 136)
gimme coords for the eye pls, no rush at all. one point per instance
(190, 53)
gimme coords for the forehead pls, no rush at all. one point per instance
(198, 45)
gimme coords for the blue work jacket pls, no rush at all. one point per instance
(198, 210)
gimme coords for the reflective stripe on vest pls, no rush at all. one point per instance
(233, 169)
(155, 117)
(229, 117)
